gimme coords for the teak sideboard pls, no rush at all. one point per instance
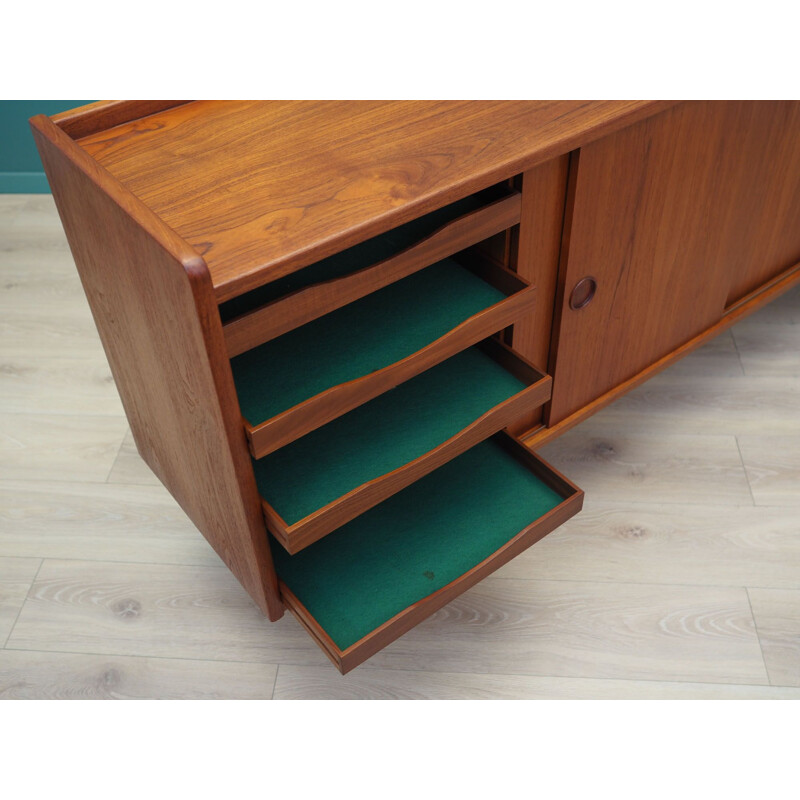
(340, 329)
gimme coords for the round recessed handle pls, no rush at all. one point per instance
(582, 293)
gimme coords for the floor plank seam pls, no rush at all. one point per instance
(618, 582)
(597, 506)
(364, 668)
(758, 636)
(738, 352)
(693, 504)
(744, 467)
(221, 565)
(602, 581)
(139, 656)
(60, 414)
(116, 457)
(155, 485)
(275, 682)
(22, 605)
(36, 482)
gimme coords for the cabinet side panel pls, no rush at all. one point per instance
(152, 302)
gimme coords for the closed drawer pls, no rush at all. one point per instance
(314, 485)
(298, 382)
(374, 579)
(305, 295)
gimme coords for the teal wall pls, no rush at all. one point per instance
(20, 168)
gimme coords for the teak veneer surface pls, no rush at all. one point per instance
(675, 217)
(154, 308)
(359, 339)
(348, 276)
(310, 376)
(378, 576)
(393, 429)
(263, 188)
(318, 483)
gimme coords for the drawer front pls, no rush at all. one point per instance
(325, 479)
(377, 577)
(308, 294)
(303, 380)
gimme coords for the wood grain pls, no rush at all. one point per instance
(536, 259)
(33, 213)
(755, 231)
(16, 577)
(777, 616)
(664, 277)
(787, 282)
(59, 447)
(20, 213)
(316, 411)
(264, 188)
(28, 675)
(401, 623)
(151, 298)
(712, 405)
(38, 315)
(654, 467)
(26, 258)
(51, 360)
(668, 543)
(39, 270)
(188, 614)
(305, 305)
(40, 333)
(105, 114)
(98, 521)
(48, 385)
(589, 630)
(157, 610)
(360, 499)
(9, 207)
(497, 249)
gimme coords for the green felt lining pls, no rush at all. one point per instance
(414, 543)
(383, 434)
(361, 255)
(362, 337)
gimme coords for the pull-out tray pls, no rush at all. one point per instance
(320, 482)
(310, 293)
(297, 382)
(375, 578)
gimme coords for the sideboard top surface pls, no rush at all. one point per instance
(263, 188)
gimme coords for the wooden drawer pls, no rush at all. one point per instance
(222, 290)
(318, 483)
(306, 295)
(377, 577)
(296, 383)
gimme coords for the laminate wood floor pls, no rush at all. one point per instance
(680, 579)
